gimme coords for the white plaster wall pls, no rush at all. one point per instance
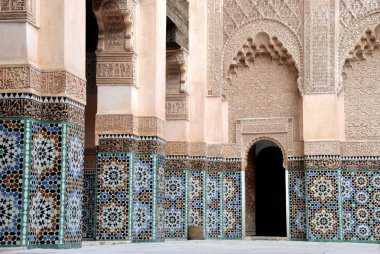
(151, 51)
(74, 35)
(214, 120)
(117, 100)
(197, 68)
(14, 43)
(177, 130)
(320, 117)
(51, 34)
(62, 36)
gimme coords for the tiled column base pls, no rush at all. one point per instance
(342, 197)
(130, 180)
(210, 199)
(41, 165)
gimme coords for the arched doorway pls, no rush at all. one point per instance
(265, 191)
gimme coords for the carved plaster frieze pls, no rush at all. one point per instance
(129, 124)
(116, 69)
(27, 78)
(201, 149)
(116, 19)
(151, 126)
(18, 10)
(116, 123)
(177, 107)
(322, 147)
(177, 148)
(361, 148)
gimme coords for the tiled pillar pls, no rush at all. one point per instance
(129, 123)
(42, 99)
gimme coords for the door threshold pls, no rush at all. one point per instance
(266, 238)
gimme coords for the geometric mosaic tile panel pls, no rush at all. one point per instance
(12, 141)
(88, 204)
(46, 180)
(297, 213)
(175, 204)
(232, 214)
(360, 191)
(143, 197)
(195, 204)
(74, 185)
(213, 216)
(160, 197)
(323, 208)
(112, 196)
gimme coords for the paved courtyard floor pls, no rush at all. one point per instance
(219, 247)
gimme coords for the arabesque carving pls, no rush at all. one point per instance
(283, 35)
(320, 59)
(350, 11)
(237, 14)
(368, 43)
(361, 89)
(28, 78)
(129, 124)
(349, 38)
(261, 45)
(231, 22)
(116, 24)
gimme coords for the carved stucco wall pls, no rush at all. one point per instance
(264, 90)
(355, 17)
(231, 22)
(362, 99)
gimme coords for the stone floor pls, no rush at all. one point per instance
(218, 247)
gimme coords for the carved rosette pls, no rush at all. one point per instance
(176, 85)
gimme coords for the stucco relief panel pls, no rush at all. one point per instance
(350, 37)
(255, 95)
(362, 99)
(231, 22)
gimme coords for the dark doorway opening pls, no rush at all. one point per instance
(265, 183)
(270, 192)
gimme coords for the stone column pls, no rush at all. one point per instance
(42, 97)
(130, 119)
